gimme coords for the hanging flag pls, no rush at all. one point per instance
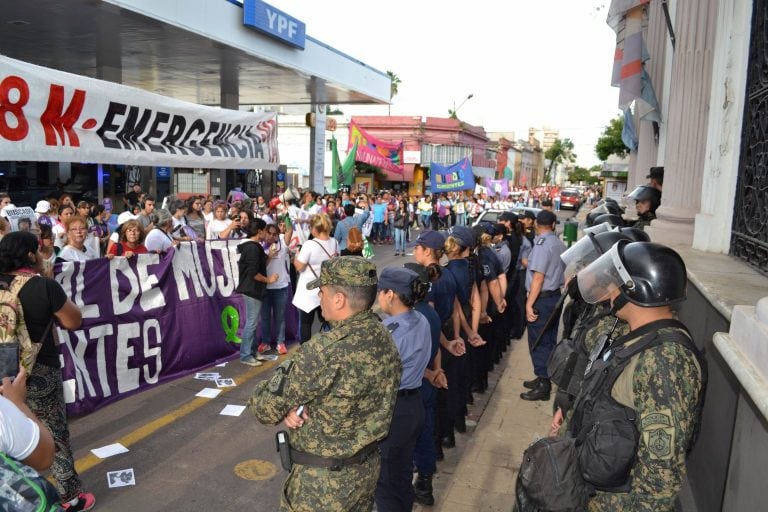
(628, 133)
(625, 17)
(375, 152)
(348, 167)
(454, 177)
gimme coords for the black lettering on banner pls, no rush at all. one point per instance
(239, 149)
(108, 126)
(220, 140)
(132, 130)
(206, 142)
(197, 126)
(156, 133)
(175, 131)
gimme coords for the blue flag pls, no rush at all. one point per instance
(454, 177)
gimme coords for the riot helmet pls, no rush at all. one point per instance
(646, 274)
(595, 213)
(612, 219)
(598, 228)
(647, 193)
(635, 234)
(588, 249)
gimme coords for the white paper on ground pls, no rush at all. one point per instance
(109, 450)
(121, 478)
(232, 410)
(221, 365)
(209, 393)
(207, 376)
(225, 383)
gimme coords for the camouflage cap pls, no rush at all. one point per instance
(346, 271)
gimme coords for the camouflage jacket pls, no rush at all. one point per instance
(662, 384)
(347, 378)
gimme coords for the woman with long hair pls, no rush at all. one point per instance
(44, 304)
(195, 218)
(59, 229)
(220, 222)
(312, 254)
(252, 267)
(400, 224)
(354, 243)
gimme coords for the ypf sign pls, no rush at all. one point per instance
(274, 23)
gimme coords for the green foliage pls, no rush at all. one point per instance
(561, 152)
(580, 174)
(610, 142)
(393, 85)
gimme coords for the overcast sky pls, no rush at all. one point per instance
(527, 63)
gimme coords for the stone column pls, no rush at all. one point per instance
(687, 123)
(656, 41)
(728, 97)
(317, 137)
(229, 92)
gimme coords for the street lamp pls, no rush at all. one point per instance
(453, 113)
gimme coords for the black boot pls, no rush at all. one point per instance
(540, 392)
(439, 451)
(449, 441)
(423, 490)
(461, 424)
(531, 384)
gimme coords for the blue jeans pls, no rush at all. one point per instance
(274, 303)
(400, 240)
(425, 219)
(461, 219)
(377, 232)
(252, 310)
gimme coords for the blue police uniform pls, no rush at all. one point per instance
(425, 454)
(481, 358)
(545, 258)
(411, 334)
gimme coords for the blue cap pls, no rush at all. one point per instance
(487, 228)
(463, 235)
(397, 279)
(431, 239)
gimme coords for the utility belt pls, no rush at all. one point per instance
(290, 456)
(548, 293)
(407, 392)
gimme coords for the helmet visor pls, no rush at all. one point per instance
(600, 228)
(581, 254)
(604, 275)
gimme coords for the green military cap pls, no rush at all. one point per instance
(345, 271)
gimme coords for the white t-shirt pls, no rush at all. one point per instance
(59, 235)
(69, 253)
(19, 435)
(158, 240)
(313, 253)
(217, 226)
(279, 265)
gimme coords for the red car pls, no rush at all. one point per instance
(570, 199)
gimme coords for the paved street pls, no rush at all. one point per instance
(186, 455)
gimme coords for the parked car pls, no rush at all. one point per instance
(570, 198)
(493, 214)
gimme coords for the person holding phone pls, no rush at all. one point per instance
(44, 303)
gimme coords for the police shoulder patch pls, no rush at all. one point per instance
(658, 433)
(540, 241)
(277, 382)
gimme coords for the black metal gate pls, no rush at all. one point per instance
(749, 238)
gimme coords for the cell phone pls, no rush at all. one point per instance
(9, 359)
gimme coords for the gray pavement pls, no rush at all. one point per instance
(186, 455)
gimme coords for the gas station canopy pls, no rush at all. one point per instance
(198, 51)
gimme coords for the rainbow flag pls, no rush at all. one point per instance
(375, 152)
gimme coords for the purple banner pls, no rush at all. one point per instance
(499, 188)
(150, 319)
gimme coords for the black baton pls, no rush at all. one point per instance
(550, 319)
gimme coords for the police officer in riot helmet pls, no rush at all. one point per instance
(647, 200)
(653, 377)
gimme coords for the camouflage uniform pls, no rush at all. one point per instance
(644, 220)
(663, 385)
(348, 378)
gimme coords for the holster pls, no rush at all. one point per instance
(284, 449)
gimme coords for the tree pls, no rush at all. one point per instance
(394, 82)
(560, 152)
(582, 174)
(610, 142)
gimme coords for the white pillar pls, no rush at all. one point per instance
(728, 98)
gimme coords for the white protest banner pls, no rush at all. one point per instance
(52, 116)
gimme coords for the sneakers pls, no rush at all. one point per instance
(251, 361)
(83, 501)
(281, 349)
(263, 347)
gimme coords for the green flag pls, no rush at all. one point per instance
(348, 167)
(336, 172)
